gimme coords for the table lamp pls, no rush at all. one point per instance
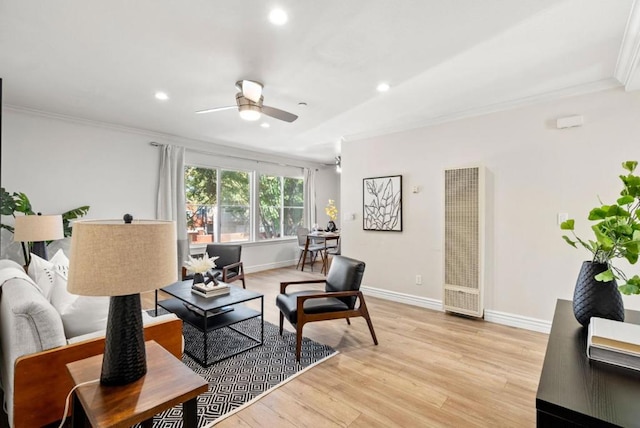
(122, 259)
(38, 229)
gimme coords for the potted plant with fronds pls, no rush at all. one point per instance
(18, 202)
(617, 236)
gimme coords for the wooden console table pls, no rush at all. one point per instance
(574, 391)
(168, 382)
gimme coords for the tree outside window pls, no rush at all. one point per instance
(293, 208)
(281, 206)
(235, 206)
(201, 206)
(270, 206)
(219, 205)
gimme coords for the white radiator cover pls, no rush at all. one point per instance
(464, 233)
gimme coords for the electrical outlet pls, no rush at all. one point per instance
(562, 217)
(418, 279)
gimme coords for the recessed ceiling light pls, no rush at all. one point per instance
(383, 87)
(162, 96)
(278, 17)
(265, 125)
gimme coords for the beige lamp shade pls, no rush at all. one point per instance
(37, 228)
(111, 258)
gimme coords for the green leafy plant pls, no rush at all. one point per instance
(617, 232)
(18, 202)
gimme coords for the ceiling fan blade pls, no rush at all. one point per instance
(251, 90)
(279, 114)
(210, 110)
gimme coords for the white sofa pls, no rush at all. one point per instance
(34, 349)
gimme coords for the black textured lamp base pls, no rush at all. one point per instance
(125, 358)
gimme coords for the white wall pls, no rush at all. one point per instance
(327, 187)
(62, 164)
(535, 171)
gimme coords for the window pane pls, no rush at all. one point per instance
(293, 205)
(235, 206)
(201, 200)
(270, 204)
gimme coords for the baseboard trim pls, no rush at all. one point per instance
(518, 321)
(409, 299)
(269, 266)
(496, 317)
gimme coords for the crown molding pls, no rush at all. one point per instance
(627, 67)
(597, 86)
(176, 139)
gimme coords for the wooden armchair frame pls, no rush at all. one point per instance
(303, 318)
(240, 276)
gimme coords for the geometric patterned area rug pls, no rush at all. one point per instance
(237, 381)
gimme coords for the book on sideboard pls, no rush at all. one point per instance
(614, 342)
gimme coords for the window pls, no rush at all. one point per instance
(235, 206)
(201, 195)
(219, 205)
(280, 205)
(293, 205)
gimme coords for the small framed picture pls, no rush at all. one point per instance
(382, 203)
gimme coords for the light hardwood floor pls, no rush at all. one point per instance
(430, 369)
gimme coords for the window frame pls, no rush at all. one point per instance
(254, 204)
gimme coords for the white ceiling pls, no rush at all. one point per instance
(104, 60)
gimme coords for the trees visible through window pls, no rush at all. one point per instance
(281, 206)
(293, 205)
(219, 205)
(235, 206)
(201, 195)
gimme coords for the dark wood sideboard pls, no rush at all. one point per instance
(574, 391)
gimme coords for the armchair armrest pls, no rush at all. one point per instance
(301, 299)
(284, 285)
(356, 293)
(232, 267)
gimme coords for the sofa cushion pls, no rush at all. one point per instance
(28, 324)
(146, 321)
(6, 263)
(80, 314)
(44, 271)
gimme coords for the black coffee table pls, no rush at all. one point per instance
(213, 313)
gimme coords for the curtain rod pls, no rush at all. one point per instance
(205, 152)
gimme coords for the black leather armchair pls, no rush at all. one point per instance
(338, 300)
(228, 263)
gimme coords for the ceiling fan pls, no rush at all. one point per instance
(249, 103)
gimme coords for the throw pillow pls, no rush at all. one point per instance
(43, 272)
(80, 314)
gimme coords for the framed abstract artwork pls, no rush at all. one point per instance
(382, 203)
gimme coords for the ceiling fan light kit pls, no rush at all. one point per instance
(249, 104)
(249, 110)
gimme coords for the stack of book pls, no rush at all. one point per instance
(614, 342)
(207, 291)
(209, 313)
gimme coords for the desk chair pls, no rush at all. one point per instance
(307, 247)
